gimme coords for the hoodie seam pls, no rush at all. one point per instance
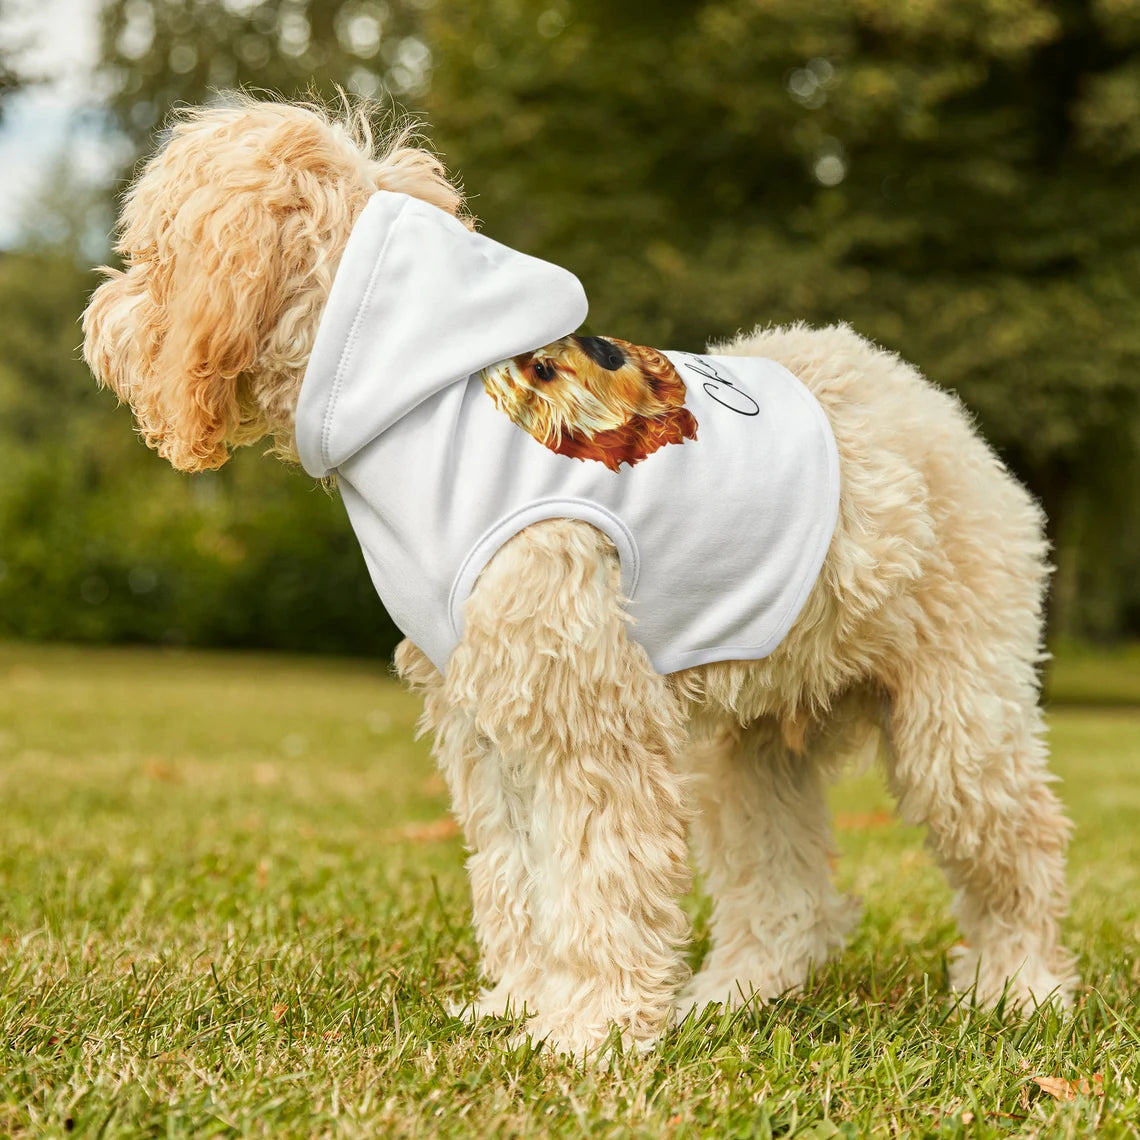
(353, 336)
(496, 536)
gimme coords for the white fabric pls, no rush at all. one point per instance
(720, 538)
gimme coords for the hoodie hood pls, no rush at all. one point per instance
(419, 303)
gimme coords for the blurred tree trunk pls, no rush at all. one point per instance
(10, 79)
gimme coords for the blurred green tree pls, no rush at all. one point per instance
(159, 53)
(101, 541)
(957, 181)
(10, 78)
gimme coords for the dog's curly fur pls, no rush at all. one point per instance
(576, 770)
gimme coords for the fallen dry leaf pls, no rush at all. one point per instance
(155, 768)
(1063, 1089)
(856, 821)
(265, 775)
(432, 832)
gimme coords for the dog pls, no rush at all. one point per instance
(579, 766)
(593, 397)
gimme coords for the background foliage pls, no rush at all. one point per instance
(957, 181)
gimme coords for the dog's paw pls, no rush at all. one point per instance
(496, 1002)
(1024, 980)
(724, 988)
(748, 969)
(596, 1045)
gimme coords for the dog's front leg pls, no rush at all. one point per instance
(491, 800)
(584, 735)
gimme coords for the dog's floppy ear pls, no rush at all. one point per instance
(115, 330)
(175, 333)
(221, 280)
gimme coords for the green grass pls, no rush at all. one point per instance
(224, 909)
(1087, 675)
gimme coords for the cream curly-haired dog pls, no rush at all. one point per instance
(577, 767)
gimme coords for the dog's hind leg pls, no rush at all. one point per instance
(967, 759)
(579, 719)
(762, 836)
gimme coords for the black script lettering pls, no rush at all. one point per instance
(721, 389)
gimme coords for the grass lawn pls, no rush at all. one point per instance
(231, 903)
(1087, 675)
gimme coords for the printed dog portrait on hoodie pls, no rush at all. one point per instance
(592, 397)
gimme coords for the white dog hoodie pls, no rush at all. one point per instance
(720, 537)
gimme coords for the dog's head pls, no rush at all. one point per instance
(584, 386)
(230, 238)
